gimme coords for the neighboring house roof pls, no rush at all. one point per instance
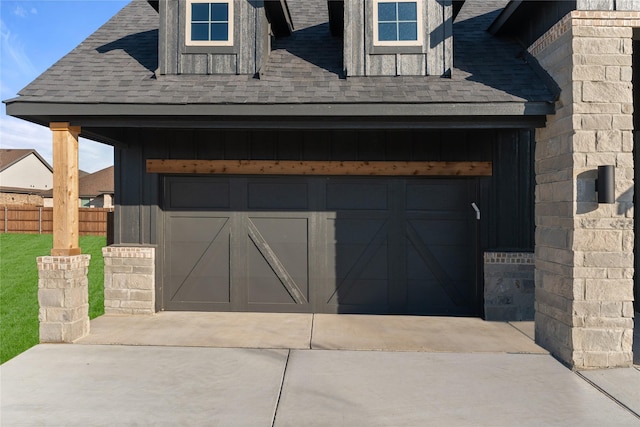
(11, 156)
(112, 73)
(93, 184)
(18, 190)
(96, 183)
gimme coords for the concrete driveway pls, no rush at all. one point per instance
(156, 385)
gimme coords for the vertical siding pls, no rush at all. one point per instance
(354, 41)
(251, 42)
(246, 36)
(512, 191)
(437, 49)
(411, 64)
(435, 37)
(506, 198)
(193, 64)
(628, 5)
(595, 4)
(262, 41)
(128, 194)
(447, 40)
(381, 65)
(223, 64)
(169, 40)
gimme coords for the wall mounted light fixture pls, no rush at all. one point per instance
(606, 184)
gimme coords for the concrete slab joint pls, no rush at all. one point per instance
(584, 250)
(129, 279)
(63, 297)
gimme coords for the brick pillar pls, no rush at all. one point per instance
(63, 295)
(508, 286)
(129, 280)
(584, 250)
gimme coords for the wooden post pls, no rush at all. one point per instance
(65, 189)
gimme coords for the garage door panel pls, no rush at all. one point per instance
(277, 263)
(436, 261)
(359, 264)
(278, 195)
(444, 232)
(366, 286)
(198, 259)
(357, 196)
(264, 285)
(355, 230)
(196, 194)
(434, 195)
(428, 297)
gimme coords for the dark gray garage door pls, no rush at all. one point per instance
(318, 244)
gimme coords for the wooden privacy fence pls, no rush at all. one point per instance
(39, 220)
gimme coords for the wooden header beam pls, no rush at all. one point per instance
(65, 190)
(295, 167)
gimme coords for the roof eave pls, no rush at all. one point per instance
(104, 123)
(503, 18)
(518, 108)
(279, 16)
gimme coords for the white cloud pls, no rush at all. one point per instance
(16, 133)
(12, 50)
(94, 156)
(19, 11)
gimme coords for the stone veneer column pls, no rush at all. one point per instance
(63, 294)
(129, 280)
(584, 250)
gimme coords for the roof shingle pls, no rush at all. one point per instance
(116, 65)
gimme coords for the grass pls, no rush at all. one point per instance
(19, 287)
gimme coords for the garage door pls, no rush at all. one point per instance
(320, 244)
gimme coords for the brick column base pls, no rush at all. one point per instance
(129, 280)
(63, 295)
(509, 286)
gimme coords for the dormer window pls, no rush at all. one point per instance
(209, 23)
(397, 23)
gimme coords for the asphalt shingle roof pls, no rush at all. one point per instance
(10, 156)
(116, 65)
(93, 184)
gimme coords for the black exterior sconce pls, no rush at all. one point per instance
(606, 184)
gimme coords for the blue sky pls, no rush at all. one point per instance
(33, 36)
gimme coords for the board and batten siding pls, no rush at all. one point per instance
(250, 50)
(435, 58)
(608, 4)
(506, 198)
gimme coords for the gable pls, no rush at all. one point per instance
(425, 50)
(27, 172)
(193, 40)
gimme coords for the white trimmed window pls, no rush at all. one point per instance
(397, 23)
(209, 23)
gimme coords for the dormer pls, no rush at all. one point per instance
(218, 36)
(395, 38)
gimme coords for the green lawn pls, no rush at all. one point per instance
(19, 287)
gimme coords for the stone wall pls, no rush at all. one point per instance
(63, 295)
(129, 280)
(508, 286)
(584, 250)
(21, 199)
